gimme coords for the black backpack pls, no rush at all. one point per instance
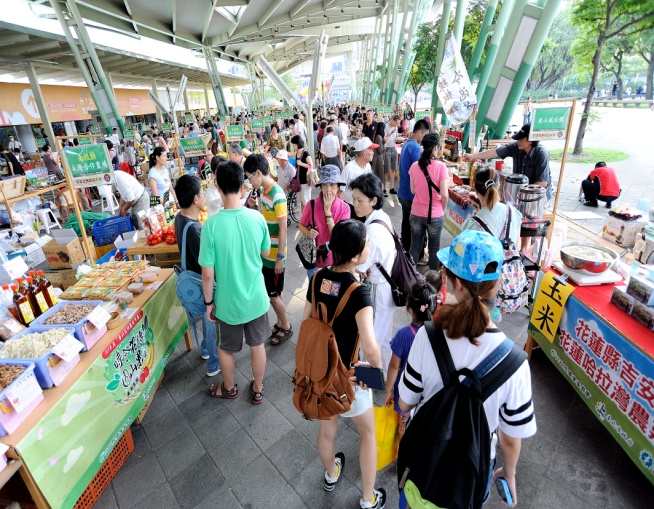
(445, 452)
(404, 273)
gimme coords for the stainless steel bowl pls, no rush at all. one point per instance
(584, 265)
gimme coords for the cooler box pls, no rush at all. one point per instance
(30, 391)
(85, 331)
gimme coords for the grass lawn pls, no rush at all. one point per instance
(591, 155)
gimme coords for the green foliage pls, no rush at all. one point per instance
(290, 81)
(590, 155)
(425, 44)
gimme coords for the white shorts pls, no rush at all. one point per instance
(305, 194)
(361, 404)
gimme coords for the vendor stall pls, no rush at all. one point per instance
(69, 435)
(461, 205)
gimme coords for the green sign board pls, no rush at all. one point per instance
(235, 132)
(95, 129)
(267, 119)
(128, 134)
(385, 109)
(166, 128)
(189, 119)
(278, 116)
(89, 166)
(422, 114)
(257, 124)
(40, 142)
(85, 140)
(193, 147)
(77, 434)
(549, 123)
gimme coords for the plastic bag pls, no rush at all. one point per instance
(312, 177)
(386, 431)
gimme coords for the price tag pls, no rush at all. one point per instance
(22, 394)
(128, 313)
(154, 286)
(99, 317)
(15, 267)
(67, 348)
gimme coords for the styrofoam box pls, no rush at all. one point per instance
(49, 369)
(10, 419)
(85, 331)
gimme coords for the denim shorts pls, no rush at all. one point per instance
(361, 404)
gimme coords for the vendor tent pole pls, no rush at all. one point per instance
(444, 23)
(393, 44)
(206, 101)
(40, 103)
(73, 194)
(159, 113)
(564, 157)
(459, 20)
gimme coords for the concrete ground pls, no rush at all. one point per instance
(196, 452)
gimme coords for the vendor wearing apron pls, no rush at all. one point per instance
(133, 197)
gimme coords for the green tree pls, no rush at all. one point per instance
(600, 21)
(423, 70)
(614, 58)
(645, 49)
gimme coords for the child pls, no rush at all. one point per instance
(422, 302)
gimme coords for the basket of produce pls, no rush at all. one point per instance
(37, 347)
(105, 231)
(17, 379)
(74, 315)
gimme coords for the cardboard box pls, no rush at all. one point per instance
(622, 299)
(124, 240)
(34, 254)
(622, 232)
(644, 314)
(61, 278)
(64, 251)
(641, 289)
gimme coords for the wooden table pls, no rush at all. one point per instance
(30, 194)
(164, 253)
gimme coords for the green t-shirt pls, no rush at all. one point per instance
(231, 243)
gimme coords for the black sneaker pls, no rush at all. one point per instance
(385, 193)
(330, 482)
(393, 191)
(589, 203)
(378, 500)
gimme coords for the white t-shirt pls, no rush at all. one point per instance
(285, 174)
(382, 247)
(345, 131)
(330, 145)
(510, 407)
(129, 188)
(351, 171)
(495, 220)
(391, 140)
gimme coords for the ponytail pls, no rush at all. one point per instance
(485, 187)
(470, 317)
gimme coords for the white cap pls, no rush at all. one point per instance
(364, 143)
(282, 154)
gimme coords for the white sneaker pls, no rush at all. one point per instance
(378, 500)
(330, 482)
(213, 373)
(205, 356)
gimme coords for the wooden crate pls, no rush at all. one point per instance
(14, 187)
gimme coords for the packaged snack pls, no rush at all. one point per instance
(161, 214)
(116, 282)
(101, 293)
(89, 282)
(124, 297)
(136, 288)
(10, 327)
(149, 277)
(74, 293)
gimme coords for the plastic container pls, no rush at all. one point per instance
(107, 256)
(105, 231)
(10, 419)
(85, 332)
(49, 369)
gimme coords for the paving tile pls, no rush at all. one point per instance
(160, 403)
(577, 474)
(215, 427)
(308, 429)
(185, 384)
(537, 452)
(179, 453)
(308, 484)
(291, 454)
(142, 447)
(164, 428)
(552, 494)
(161, 497)
(242, 408)
(200, 405)
(282, 354)
(107, 500)
(195, 483)
(222, 498)
(267, 428)
(134, 484)
(278, 385)
(233, 454)
(347, 441)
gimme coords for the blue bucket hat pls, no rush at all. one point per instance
(330, 174)
(470, 254)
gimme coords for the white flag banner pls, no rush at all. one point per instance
(454, 89)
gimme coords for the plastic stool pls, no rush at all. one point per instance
(47, 220)
(109, 204)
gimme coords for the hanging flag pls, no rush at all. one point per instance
(454, 89)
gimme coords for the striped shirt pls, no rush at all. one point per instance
(273, 207)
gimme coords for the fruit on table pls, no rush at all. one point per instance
(203, 216)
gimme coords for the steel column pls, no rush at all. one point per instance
(445, 21)
(370, 83)
(390, 60)
(214, 76)
(158, 113)
(206, 100)
(459, 20)
(481, 41)
(40, 103)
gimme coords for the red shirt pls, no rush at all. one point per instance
(609, 185)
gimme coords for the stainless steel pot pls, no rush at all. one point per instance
(512, 185)
(531, 201)
(584, 264)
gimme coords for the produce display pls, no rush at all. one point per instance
(204, 215)
(9, 373)
(69, 314)
(31, 346)
(106, 281)
(166, 235)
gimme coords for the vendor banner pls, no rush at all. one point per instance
(235, 132)
(72, 441)
(194, 147)
(455, 216)
(612, 376)
(257, 124)
(128, 134)
(85, 140)
(166, 128)
(89, 166)
(420, 114)
(549, 123)
(550, 302)
(454, 89)
(95, 129)
(267, 119)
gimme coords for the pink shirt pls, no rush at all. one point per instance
(438, 173)
(340, 211)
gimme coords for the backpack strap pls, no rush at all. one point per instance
(503, 370)
(431, 184)
(507, 232)
(343, 301)
(186, 226)
(379, 266)
(483, 224)
(441, 352)
(313, 215)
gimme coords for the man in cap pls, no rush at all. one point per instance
(285, 171)
(363, 149)
(529, 158)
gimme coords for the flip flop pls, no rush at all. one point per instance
(224, 393)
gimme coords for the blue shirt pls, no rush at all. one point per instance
(411, 151)
(401, 346)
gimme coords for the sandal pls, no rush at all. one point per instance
(281, 335)
(275, 329)
(224, 393)
(257, 397)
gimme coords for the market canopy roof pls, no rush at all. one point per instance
(53, 58)
(239, 30)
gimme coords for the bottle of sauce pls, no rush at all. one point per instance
(22, 306)
(36, 297)
(7, 300)
(22, 287)
(48, 289)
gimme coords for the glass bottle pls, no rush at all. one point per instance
(7, 300)
(22, 306)
(36, 297)
(48, 289)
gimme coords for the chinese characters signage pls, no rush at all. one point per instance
(455, 216)
(89, 166)
(257, 124)
(194, 147)
(128, 134)
(267, 119)
(85, 140)
(235, 132)
(72, 441)
(166, 128)
(549, 123)
(610, 374)
(454, 89)
(549, 305)
(420, 114)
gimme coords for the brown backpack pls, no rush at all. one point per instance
(322, 388)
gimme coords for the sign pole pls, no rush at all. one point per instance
(564, 157)
(67, 172)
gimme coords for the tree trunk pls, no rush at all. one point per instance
(649, 81)
(583, 123)
(619, 80)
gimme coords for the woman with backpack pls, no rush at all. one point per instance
(350, 246)
(473, 263)
(367, 199)
(428, 179)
